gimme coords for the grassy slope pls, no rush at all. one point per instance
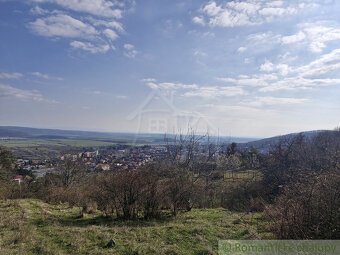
(33, 227)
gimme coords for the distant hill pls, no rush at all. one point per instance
(264, 145)
(244, 143)
(41, 133)
(25, 132)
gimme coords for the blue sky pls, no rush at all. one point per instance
(250, 68)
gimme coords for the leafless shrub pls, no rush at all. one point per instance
(152, 198)
(6, 172)
(178, 188)
(308, 209)
(243, 195)
(119, 193)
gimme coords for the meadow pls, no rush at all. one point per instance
(30, 226)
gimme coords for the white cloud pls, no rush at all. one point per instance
(263, 40)
(214, 92)
(153, 85)
(315, 35)
(10, 75)
(265, 101)
(299, 83)
(87, 46)
(130, 51)
(242, 49)
(271, 12)
(112, 35)
(280, 76)
(169, 85)
(36, 10)
(7, 91)
(268, 66)
(199, 20)
(318, 35)
(250, 81)
(148, 80)
(103, 8)
(233, 14)
(46, 76)
(40, 75)
(212, 9)
(62, 25)
(250, 12)
(101, 31)
(325, 64)
(293, 38)
(109, 24)
(283, 69)
(199, 53)
(193, 90)
(267, 84)
(275, 4)
(128, 46)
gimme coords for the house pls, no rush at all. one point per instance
(103, 167)
(27, 178)
(19, 178)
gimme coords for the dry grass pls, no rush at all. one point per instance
(33, 227)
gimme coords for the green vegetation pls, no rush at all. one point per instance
(30, 226)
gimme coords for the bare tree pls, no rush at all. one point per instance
(6, 171)
(6, 164)
(70, 171)
(191, 157)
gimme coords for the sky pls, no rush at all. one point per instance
(252, 68)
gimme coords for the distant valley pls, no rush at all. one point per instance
(38, 141)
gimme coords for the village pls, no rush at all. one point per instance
(103, 159)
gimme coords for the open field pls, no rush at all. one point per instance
(48, 148)
(21, 135)
(30, 226)
(45, 148)
(53, 142)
